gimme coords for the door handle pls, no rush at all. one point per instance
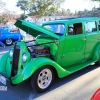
(99, 39)
(84, 39)
(63, 56)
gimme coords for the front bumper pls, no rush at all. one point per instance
(5, 70)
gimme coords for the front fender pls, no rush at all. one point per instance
(34, 65)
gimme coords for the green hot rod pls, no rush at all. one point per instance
(61, 47)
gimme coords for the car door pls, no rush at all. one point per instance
(74, 46)
(92, 38)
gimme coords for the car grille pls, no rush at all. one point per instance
(15, 61)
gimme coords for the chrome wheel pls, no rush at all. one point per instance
(44, 78)
(9, 41)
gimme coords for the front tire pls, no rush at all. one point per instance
(42, 79)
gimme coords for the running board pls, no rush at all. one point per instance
(80, 66)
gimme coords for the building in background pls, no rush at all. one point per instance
(43, 19)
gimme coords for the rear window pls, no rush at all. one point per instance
(99, 25)
(90, 27)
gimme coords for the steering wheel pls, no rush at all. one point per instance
(70, 29)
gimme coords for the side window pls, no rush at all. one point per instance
(99, 25)
(75, 29)
(90, 27)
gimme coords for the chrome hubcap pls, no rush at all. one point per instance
(8, 41)
(44, 78)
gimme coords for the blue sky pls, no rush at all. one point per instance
(69, 4)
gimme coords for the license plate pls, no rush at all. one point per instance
(3, 80)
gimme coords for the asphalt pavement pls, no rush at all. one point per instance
(4, 50)
(78, 86)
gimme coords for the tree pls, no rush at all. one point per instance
(2, 5)
(5, 14)
(23, 4)
(63, 12)
(38, 7)
(95, 0)
(80, 13)
(51, 11)
(23, 16)
(85, 12)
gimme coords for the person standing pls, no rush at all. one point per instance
(23, 33)
(2, 44)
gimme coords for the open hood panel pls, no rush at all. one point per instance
(34, 29)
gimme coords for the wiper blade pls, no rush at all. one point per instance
(59, 33)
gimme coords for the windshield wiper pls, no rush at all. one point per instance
(59, 33)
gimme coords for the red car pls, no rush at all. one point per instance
(96, 95)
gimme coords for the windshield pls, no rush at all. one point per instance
(56, 28)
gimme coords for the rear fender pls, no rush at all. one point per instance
(96, 53)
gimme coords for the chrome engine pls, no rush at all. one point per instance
(39, 51)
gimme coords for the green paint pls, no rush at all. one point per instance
(68, 53)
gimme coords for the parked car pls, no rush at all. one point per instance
(9, 37)
(61, 48)
(96, 95)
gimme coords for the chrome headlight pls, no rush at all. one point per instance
(24, 57)
(11, 53)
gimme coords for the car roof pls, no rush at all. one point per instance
(68, 20)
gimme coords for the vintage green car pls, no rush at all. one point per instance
(61, 47)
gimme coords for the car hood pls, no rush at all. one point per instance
(34, 29)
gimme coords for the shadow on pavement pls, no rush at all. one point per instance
(24, 91)
(60, 82)
(4, 50)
